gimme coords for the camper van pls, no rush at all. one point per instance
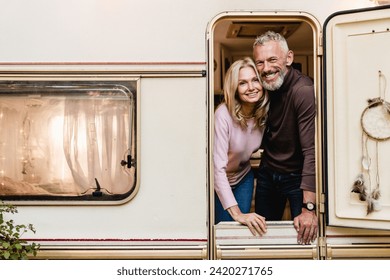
(107, 124)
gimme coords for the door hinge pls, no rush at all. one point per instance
(322, 247)
(320, 48)
(322, 203)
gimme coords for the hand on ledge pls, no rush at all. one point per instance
(253, 221)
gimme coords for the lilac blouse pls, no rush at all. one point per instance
(233, 148)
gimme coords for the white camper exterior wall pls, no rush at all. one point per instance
(127, 31)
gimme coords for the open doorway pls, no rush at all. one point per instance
(232, 38)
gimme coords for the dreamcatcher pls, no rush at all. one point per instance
(375, 123)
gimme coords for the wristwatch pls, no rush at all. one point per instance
(309, 206)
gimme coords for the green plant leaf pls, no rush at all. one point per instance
(5, 245)
(11, 246)
(6, 255)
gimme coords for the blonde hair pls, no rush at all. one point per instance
(233, 101)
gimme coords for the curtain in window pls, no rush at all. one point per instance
(96, 139)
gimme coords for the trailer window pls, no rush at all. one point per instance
(67, 140)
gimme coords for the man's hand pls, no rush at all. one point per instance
(306, 224)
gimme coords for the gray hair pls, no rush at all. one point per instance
(271, 36)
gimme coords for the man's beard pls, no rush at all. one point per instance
(277, 84)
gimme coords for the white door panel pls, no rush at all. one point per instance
(357, 66)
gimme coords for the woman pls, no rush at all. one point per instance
(239, 127)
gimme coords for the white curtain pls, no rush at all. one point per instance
(96, 139)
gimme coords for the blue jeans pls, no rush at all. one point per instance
(243, 192)
(272, 191)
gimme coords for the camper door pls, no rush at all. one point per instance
(356, 122)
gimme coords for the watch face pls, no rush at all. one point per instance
(310, 206)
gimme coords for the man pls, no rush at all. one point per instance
(287, 169)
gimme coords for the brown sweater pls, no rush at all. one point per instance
(289, 139)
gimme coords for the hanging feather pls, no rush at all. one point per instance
(363, 195)
(370, 206)
(376, 205)
(358, 184)
(376, 194)
(360, 188)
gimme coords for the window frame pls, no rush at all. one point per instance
(132, 82)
